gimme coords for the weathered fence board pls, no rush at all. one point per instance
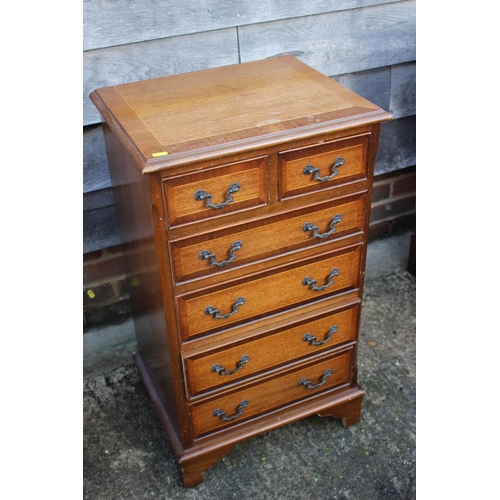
(100, 229)
(117, 22)
(141, 61)
(98, 199)
(95, 163)
(391, 88)
(397, 145)
(403, 90)
(339, 42)
(374, 85)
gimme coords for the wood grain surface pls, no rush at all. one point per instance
(154, 19)
(270, 350)
(279, 390)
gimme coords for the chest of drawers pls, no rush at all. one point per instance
(242, 195)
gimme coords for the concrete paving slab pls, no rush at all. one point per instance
(127, 454)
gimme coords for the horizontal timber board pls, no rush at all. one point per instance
(397, 148)
(339, 42)
(95, 163)
(98, 199)
(335, 43)
(154, 19)
(392, 88)
(100, 229)
(374, 85)
(403, 90)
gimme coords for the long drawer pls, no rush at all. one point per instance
(223, 365)
(236, 246)
(202, 312)
(288, 387)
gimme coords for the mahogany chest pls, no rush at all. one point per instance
(243, 198)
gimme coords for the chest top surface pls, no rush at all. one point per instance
(189, 116)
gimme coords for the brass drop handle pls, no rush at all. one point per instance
(206, 254)
(223, 416)
(312, 339)
(309, 385)
(201, 195)
(308, 226)
(234, 309)
(313, 283)
(222, 371)
(310, 169)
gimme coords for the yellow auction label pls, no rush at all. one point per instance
(160, 153)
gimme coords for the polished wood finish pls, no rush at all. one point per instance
(246, 300)
(182, 205)
(268, 293)
(293, 179)
(266, 237)
(221, 111)
(274, 390)
(271, 349)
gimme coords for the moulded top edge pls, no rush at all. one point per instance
(155, 164)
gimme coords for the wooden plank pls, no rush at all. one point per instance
(98, 199)
(340, 42)
(391, 88)
(397, 147)
(403, 90)
(100, 229)
(143, 61)
(374, 85)
(154, 19)
(95, 164)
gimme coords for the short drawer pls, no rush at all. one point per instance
(290, 386)
(224, 365)
(229, 248)
(216, 191)
(292, 285)
(323, 166)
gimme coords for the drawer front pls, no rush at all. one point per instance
(216, 191)
(226, 249)
(273, 393)
(302, 282)
(324, 166)
(229, 364)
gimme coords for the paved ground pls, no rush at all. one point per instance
(127, 454)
